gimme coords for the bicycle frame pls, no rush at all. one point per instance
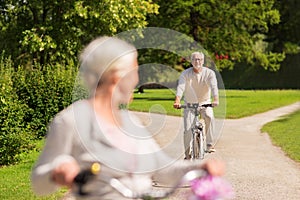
(198, 140)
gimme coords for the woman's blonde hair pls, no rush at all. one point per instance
(101, 57)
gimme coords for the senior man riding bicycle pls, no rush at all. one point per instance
(199, 85)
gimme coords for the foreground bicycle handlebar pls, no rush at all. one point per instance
(87, 175)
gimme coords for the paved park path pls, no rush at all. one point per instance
(256, 168)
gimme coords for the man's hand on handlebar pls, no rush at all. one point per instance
(176, 105)
(215, 102)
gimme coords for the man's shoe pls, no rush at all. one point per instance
(210, 149)
(187, 158)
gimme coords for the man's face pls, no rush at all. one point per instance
(198, 60)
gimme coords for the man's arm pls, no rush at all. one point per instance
(215, 101)
(214, 89)
(180, 90)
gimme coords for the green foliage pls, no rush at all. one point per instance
(54, 31)
(46, 91)
(35, 41)
(14, 135)
(285, 35)
(158, 73)
(225, 28)
(245, 77)
(30, 97)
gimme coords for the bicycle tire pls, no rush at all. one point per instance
(194, 147)
(202, 145)
(198, 146)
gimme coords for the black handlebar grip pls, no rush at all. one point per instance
(207, 105)
(182, 106)
(85, 176)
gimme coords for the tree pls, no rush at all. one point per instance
(54, 30)
(285, 35)
(230, 30)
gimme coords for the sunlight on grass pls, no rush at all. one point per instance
(242, 103)
(239, 103)
(15, 180)
(285, 133)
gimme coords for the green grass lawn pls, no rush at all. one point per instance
(241, 103)
(15, 180)
(285, 133)
(233, 103)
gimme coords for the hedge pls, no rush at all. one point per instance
(14, 135)
(30, 97)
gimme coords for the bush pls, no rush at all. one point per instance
(45, 91)
(14, 136)
(29, 98)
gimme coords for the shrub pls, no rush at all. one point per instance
(29, 98)
(14, 136)
(46, 91)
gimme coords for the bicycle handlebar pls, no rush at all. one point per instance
(195, 105)
(88, 175)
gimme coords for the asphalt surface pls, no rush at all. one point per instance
(254, 166)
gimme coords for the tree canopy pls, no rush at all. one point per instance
(285, 35)
(255, 32)
(54, 30)
(231, 30)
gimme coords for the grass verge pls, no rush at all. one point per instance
(15, 180)
(285, 133)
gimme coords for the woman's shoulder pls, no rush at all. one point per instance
(75, 111)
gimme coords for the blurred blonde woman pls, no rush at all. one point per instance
(96, 130)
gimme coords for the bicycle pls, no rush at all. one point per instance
(213, 187)
(198, 143)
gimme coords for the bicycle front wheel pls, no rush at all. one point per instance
(202, 145)
(194, 145)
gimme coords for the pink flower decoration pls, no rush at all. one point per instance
(211, 188)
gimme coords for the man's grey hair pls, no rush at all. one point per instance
(197, 53)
